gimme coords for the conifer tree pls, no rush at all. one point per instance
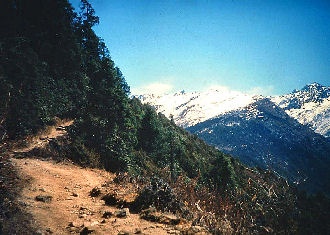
(40, 64)
(104, 124)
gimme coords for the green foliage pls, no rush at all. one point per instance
(40, 64)
(168, 146)
(104, 123)
(157, 194)
(314, 215)
(222, 173)
(62, 68)
(52, 64)
(28, 83)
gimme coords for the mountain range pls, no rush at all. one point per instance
(309, 106)
(288, 133)
(75, 147)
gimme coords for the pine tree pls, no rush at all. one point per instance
(105, 123)
(40, 64)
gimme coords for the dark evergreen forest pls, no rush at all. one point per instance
(52, 64)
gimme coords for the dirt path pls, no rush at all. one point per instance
(42, 139)
(58, 196)
(69, 187)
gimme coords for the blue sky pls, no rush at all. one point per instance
(268, 46)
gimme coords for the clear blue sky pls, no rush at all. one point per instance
(268, 46)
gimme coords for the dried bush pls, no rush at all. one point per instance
(158, 194)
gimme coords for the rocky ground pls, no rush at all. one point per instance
(63, 198)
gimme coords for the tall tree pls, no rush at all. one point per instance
(105, 120)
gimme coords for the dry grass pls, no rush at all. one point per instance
(264, 204)
(199, 205)
(207, 208)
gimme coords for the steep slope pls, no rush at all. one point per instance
(54, 65)
(263, 135)
(57, 195)
(276, 132)
(310, 106)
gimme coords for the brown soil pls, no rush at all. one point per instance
(42, 138)
(72, 209)
(69, 187)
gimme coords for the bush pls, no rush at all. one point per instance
(158, 194)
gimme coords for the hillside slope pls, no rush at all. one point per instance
(309, 106)
(58, 198)
(42, 192)
(273, 133)
(263, 135)
(53, 65)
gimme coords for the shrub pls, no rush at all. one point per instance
(160, 195)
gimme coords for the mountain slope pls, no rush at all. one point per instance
(56, 194)
(263, 135)
(86, 200)
(190, 108)
(310, 106)
(54, 65)
(265, 132)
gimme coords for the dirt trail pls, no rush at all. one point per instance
(69, 187)
(42, 139)
(71, 208)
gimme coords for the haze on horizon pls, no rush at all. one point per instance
(263, 47)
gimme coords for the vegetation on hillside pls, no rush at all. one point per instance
(52, 64)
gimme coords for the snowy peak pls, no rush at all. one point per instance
(309, 106)
(316, 88)
(263, 134)
(261, 131)
(190, 108)
(314, 92)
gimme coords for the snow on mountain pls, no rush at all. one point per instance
(264, 135)
(309, 106)
(190, 108)
(269, 132)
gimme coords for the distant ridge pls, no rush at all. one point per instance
(309, 106)
(282, 133)
(264, 135)
(191, 108)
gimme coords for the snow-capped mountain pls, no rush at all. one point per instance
(264, 135)
(190, 108)
(269, 132)
(309, 106)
